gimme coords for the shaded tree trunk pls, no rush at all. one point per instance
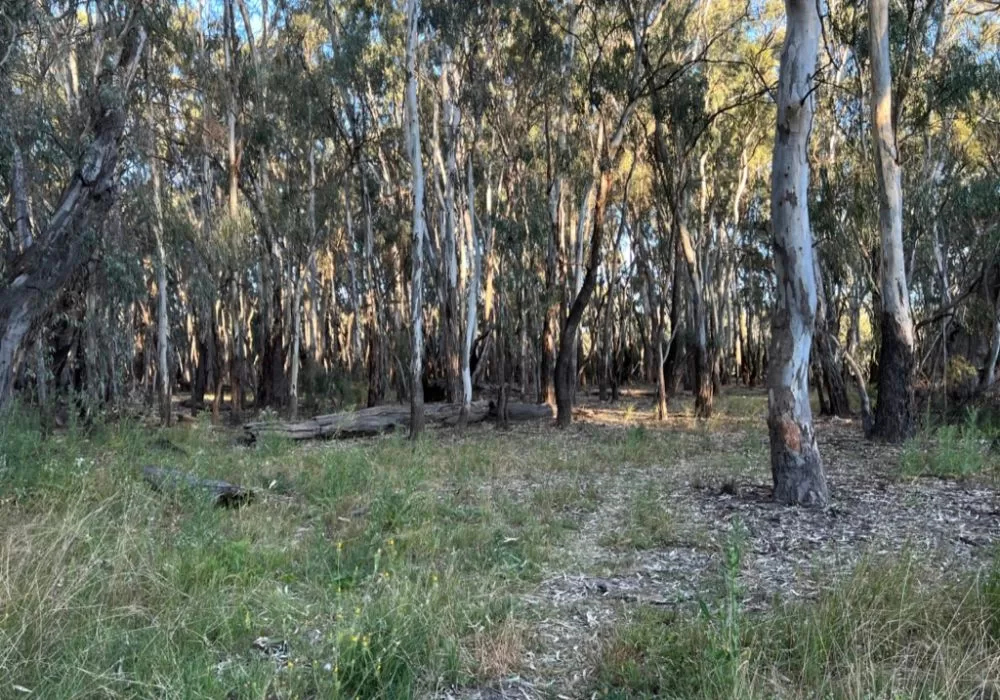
(22, 225)
(702, 365)
(989, 371)
(565, 377)
(378, 368)
(557, 163)
(163, 322)
(833, 376)
(41, 271)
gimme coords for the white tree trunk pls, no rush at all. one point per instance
(352, 267)
(447, 162)
(703, 373)
(419, 223)
(796, 466)
(895, 413)
(22, 221)
(163, 322)
(293, 378)
(989, 375)
(472, 299)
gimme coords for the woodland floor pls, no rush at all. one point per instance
(528, 563)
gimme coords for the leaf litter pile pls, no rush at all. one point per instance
(722, 484)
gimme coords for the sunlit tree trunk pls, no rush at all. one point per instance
(796, 466)
(419, 224)
(471, 303)
(702, 366)
(895, 412)
(162, 320)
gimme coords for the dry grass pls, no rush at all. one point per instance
(498, 652)
(580, 561)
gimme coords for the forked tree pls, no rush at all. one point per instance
(45, 267)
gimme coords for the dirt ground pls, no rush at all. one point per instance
(714, 479)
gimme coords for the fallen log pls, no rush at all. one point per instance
(223, 493)
(523, 412)
(386, 419)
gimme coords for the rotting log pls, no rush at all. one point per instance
(386, 419)
(224, 494)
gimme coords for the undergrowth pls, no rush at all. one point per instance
(890, 629)
(952, 450)
(386, 569)
(377, 569)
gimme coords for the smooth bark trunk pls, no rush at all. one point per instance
(895, 413)
(472, 299)
(565, 364)
(419, 232)
(796, 466)
(162, 320)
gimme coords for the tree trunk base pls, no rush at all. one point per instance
(795, 463)
(895, 414)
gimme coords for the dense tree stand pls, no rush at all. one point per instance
(268, 214)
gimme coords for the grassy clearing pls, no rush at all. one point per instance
(649, 521)
(383, 569)
(387, 568)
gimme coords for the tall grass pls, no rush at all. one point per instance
(388, 571)
(889, 630)
(952, 450)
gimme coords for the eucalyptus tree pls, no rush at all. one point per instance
(796, 466)
(63, 243)
(894, 413)
(419, 224)
(641, 19)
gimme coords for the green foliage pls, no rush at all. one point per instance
(952, 451)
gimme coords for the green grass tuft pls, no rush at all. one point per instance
(952, 451)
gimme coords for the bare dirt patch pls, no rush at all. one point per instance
(715, 479)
